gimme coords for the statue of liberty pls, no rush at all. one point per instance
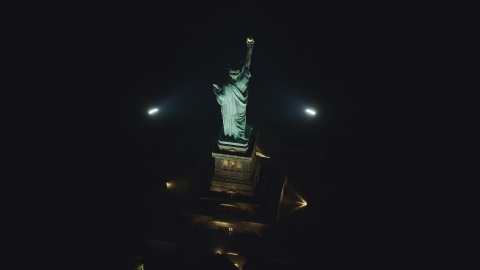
(233, 97)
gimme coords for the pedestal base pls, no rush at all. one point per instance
(236, 171)
(207, 209)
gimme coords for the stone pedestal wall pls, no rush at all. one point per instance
(236, 172)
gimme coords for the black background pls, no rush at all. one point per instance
(392, 85)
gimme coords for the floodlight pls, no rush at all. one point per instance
(310, 111)
(152, 111)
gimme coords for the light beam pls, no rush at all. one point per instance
(302, 202)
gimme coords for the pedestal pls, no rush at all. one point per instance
(237, 166)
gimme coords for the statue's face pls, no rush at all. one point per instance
(234, 74)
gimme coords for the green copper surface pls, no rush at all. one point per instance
(233, 97)
(228, 140)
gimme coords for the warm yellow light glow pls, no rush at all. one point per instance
(297, 208)
(232, 253)
(226, 204)
(261, 155)
(169, 184)
(298, 195)
(223, 224)
(302, 201)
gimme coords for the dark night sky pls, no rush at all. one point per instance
(391, 82)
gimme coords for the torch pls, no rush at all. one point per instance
(250, 42)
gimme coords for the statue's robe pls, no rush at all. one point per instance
(233, 98)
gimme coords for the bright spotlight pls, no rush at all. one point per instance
(169, 184)
(302, 203)
(152, 111)
(310, 111)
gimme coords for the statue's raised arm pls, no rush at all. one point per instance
(248, 59)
